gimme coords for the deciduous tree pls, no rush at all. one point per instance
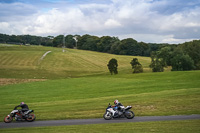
(112, 66)
(182, 62)
(136, 66)
(157, 64)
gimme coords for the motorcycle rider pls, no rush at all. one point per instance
(119, 106)
(24, 108)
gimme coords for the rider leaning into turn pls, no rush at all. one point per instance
(119, 106)
(24, 108)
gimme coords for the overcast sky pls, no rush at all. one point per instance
(159, 21)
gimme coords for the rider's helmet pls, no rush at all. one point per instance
(116, 102)
(21, 103)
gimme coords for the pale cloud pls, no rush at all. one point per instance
(112, 23)
(180, 20)
(68, 21)
(153, 38)
(170, 21)
(4, 26)
(171, 39)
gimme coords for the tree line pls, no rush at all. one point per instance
(26, 39)
(106, 44)
(184, 57)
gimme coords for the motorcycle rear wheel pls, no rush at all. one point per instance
(129, 115)
(31, 117)
(107, 116)
(8, 119)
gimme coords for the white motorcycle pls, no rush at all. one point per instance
(113, 112)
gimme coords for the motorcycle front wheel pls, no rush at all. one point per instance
(107, 116)
(8, 119)
(31, 117)
(129, 114)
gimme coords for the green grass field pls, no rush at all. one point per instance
(79, 85)
(167, 93)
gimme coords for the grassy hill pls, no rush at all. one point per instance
(87, 95)
(25, 62)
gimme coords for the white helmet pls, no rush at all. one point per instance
(116, 102)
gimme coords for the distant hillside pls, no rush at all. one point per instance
(25, 62)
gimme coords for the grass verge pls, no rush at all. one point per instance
(185, 126)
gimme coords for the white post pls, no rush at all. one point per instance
(63, 42)
(76, 40)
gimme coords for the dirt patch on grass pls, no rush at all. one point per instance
(5, 81)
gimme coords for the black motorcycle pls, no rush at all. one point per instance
(16, 114)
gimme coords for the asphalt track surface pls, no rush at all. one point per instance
(15, 124)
